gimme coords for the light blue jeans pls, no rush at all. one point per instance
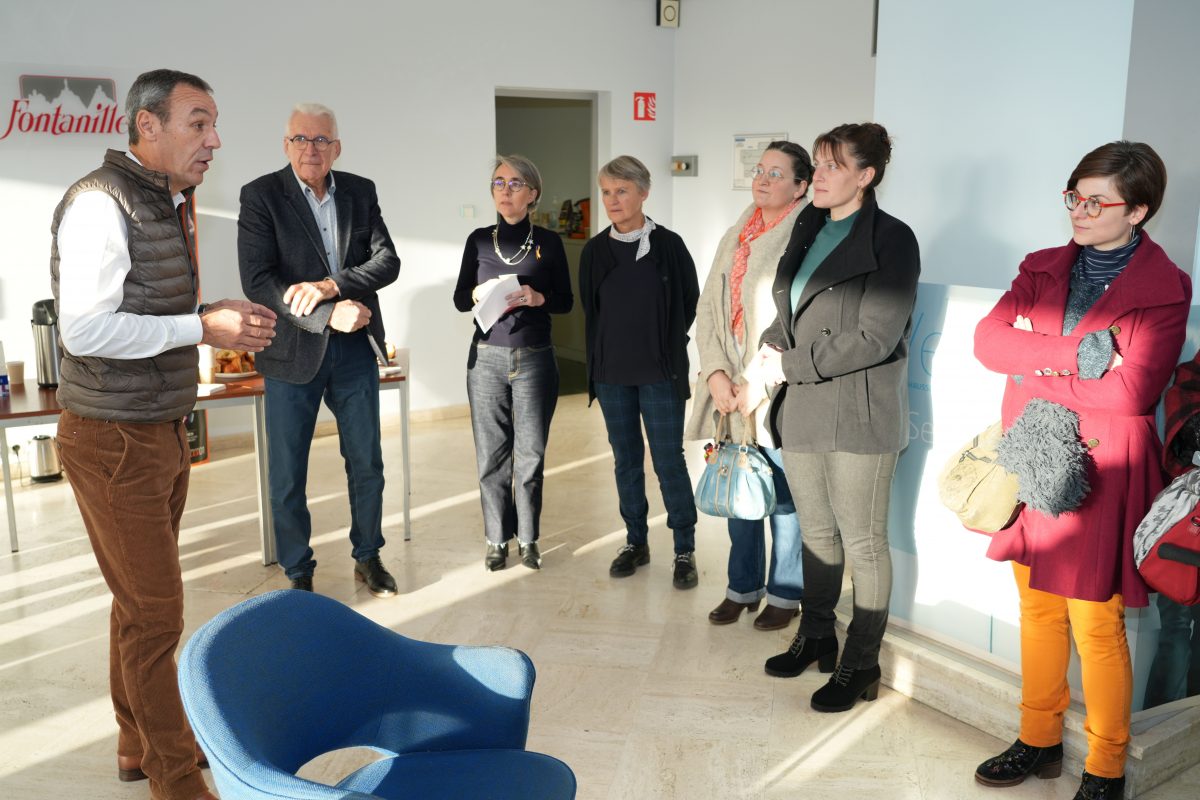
(747, 549)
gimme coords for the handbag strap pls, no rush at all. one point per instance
(749, 432)
(720, 428)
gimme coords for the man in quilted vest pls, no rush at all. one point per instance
(123, 271)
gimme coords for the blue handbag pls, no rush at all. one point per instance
(738, 480)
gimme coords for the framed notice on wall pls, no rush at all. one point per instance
(747, 150)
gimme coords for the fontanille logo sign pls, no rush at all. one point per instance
(56, 105)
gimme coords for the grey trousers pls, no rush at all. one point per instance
(842, 501)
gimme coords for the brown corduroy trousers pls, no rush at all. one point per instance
(130, 481)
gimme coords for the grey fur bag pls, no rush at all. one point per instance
(1043, 449)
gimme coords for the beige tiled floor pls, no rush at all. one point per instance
(636, 691)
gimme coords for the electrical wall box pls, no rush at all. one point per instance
(667, 13)
(684, 166)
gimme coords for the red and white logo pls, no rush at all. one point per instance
(57, 105)
(644, 106)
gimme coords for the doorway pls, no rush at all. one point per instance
(557, 131)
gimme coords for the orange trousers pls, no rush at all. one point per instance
(1099, 631)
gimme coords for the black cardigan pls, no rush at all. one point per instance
(677, 272)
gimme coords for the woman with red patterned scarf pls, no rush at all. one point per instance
(735, 307)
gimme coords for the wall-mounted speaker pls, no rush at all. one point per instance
(668, 13)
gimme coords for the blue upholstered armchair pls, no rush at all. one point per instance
(282, 678)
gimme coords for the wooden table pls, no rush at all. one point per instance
(30, 405)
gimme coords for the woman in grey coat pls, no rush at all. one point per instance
(839, 352)
(734, 310)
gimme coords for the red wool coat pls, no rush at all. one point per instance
(1087, 554)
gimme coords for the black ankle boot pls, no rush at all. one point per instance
(845, 687)
(802, 652)
(1019, 761)
(1094, 787)
(496, 556)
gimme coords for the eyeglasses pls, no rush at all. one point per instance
(516, 184)
(773, 174)
(302, 143)
(1091, 205)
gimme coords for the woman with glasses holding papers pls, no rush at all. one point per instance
(514, 276)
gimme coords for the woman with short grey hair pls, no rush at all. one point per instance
(512, 377)
(638, 286)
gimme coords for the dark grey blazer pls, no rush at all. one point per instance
(279, 244)
(845, 345)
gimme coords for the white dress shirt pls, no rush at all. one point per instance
(93, 250)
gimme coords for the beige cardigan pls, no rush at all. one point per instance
(714, 338)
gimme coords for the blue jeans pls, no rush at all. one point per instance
(348, 379)
(625, 408)
(513, 392)
(747, 549)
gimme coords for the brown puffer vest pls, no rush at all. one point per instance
(160, 283)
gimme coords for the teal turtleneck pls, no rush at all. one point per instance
(828, 238)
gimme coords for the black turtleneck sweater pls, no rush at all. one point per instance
(544, 268)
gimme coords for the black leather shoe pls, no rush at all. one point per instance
(729, 611)
(774, 618)
(303, 583)
(845, 688)
(1020, 761)
(496, 556)
(628, 559)
(685, 576)
(530, 555)
(129, 768)
(371, 572)
(1094, 787)
(802, 652)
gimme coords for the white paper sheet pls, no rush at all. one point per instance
(493, 305)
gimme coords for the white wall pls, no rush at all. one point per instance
(758, 66)
(992, 104)
(1164, 110)
(413, 84)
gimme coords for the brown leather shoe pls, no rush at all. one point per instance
(729, 611)
(129, 768)
(774, 618)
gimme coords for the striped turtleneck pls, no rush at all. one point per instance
(1101, 267)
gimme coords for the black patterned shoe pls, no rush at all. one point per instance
(629, 558)
(1093, 787)
(684, 576)
(846, 687)
(1020, 761)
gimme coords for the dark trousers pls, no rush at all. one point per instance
(348, 380)
(1175, 673)
(658, 406)
(130, 481)
(513, 392)
(842, 501)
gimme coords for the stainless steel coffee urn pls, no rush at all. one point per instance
(45, 342)
(43, 462)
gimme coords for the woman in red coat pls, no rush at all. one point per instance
(1095, 326)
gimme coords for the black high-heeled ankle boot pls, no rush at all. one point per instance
(1093, 787)
(845, 688)
(1020, 761)
(802, 652)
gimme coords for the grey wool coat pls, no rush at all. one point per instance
(845, 346)
(714, 339)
